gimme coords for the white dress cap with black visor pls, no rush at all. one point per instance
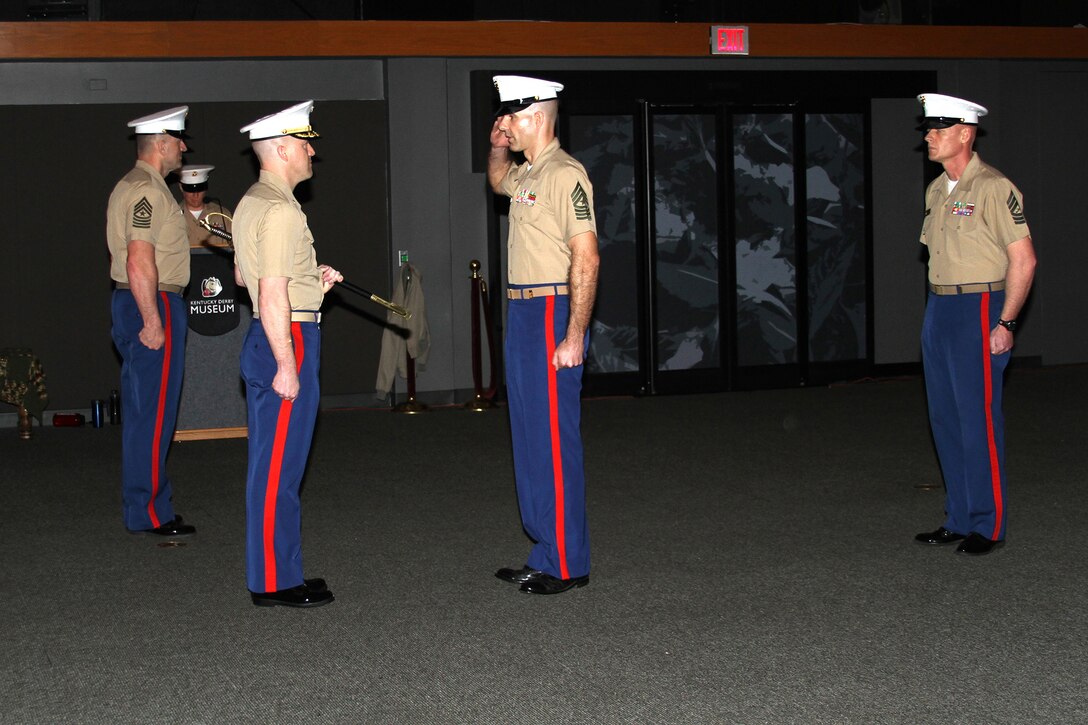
(171, 121)
(195, 177)
(293, 121)
(942, 111)
(516, 93)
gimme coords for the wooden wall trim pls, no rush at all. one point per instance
(374, 39)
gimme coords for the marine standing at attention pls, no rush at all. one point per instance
(281, 355)
(981, 266)
(149, 264)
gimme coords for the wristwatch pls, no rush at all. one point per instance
(1009, 325)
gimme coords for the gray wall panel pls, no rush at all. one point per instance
(165, 81)
(468, 237)
(899, 272)
(421, 215)
(1057, 213)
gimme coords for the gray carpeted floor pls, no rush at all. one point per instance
(753, 563)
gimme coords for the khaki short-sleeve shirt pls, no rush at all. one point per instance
(968, 229)
(551, 201)
(141, 207)
(272, 239)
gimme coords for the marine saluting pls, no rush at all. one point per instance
(552, 275)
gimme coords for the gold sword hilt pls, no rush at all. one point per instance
(221, 233)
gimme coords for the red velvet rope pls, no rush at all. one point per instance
(493, 386)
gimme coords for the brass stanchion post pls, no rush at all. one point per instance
(479, 402)
(411, 405)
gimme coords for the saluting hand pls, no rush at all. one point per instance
(498, 138)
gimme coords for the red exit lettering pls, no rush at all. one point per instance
(731, 40)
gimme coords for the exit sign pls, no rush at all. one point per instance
(729, 39)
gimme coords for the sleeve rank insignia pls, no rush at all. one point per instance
(141, 214)
(1015, 210)
(580, 199)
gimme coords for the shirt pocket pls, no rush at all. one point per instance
(538, 214)
(963, 226)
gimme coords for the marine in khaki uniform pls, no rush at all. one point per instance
(149, 264)
(198, 207)
(552, 276)
(281, 355)
(981, 266)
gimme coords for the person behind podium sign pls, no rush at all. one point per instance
(199, 207)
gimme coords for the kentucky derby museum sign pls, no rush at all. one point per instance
(211, 296)
(213, 404)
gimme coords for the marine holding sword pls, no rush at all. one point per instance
(201, 211)
(228, 241)
(281, 355)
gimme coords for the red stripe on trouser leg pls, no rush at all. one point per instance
(160, 410)
(557, 449)
(274, 468)
(991, 443)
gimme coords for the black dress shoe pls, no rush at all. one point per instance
(173, 527)
(940, 536)
(300, 596)
(976, 545)
(316, 585)
(548, 584)
(518, 576)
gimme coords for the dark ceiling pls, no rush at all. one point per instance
(913, 12)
